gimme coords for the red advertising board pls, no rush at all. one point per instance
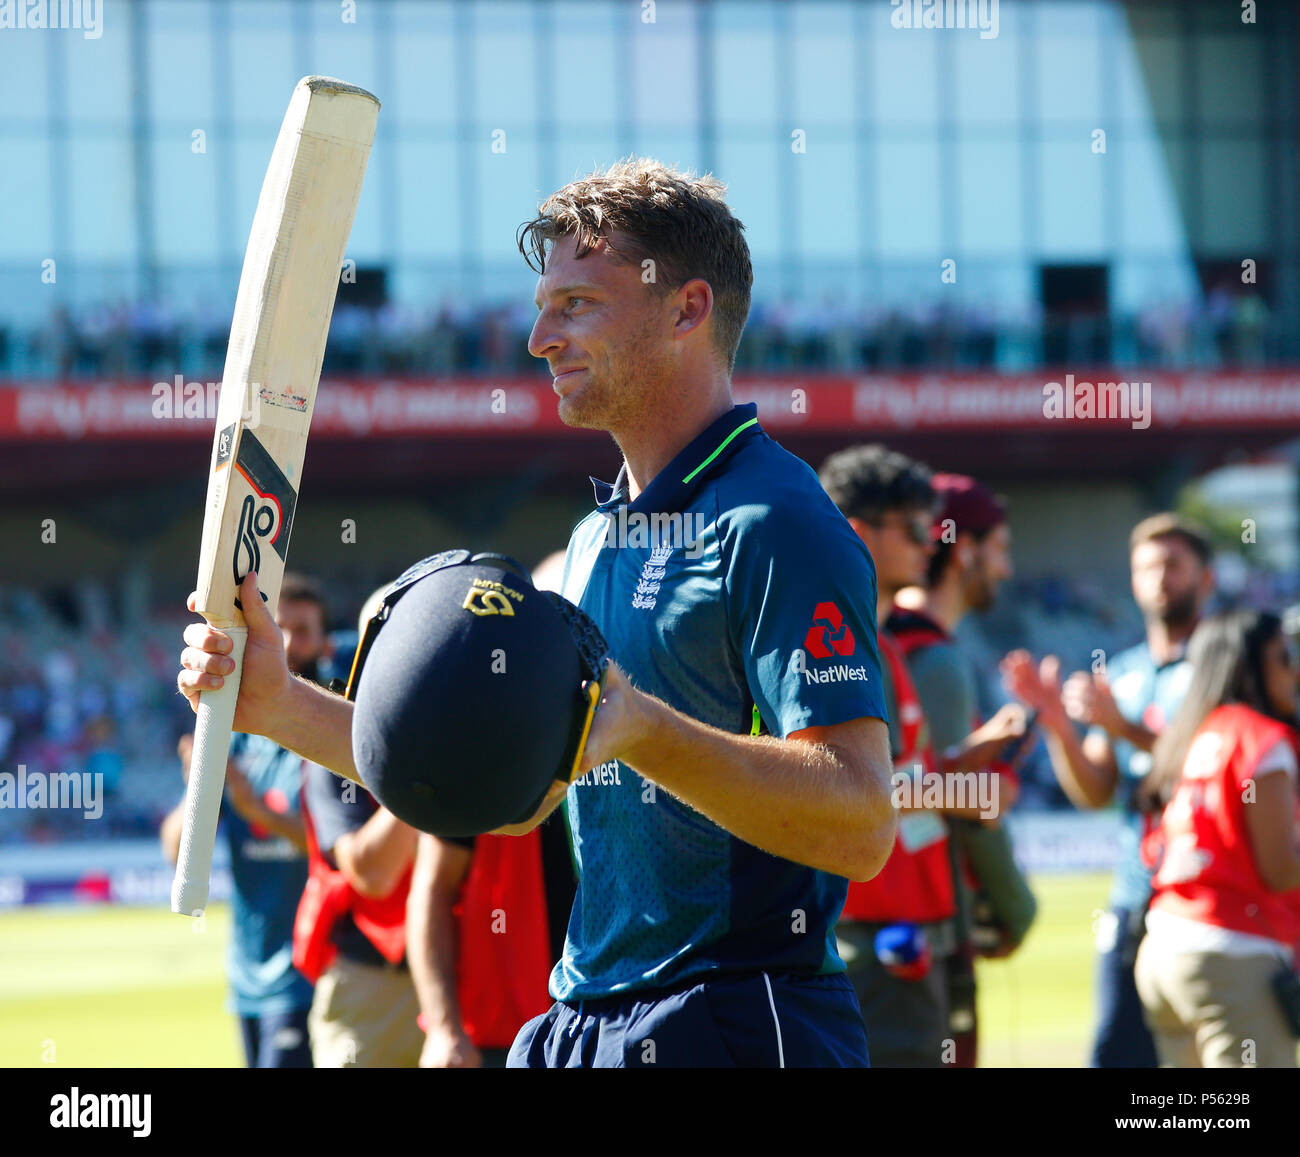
(871, 403)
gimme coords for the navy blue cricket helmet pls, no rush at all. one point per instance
(468, 684)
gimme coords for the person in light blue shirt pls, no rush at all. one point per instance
(268, 866)
(262, 822)
(1124, 702)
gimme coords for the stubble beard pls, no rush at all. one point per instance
(623, 394)
(983, 594)
(1179, 614)
(584, 408)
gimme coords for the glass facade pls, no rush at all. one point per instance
(861, 157)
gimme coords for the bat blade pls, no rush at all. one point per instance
(268, 391)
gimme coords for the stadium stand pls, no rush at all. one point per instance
(123, 339)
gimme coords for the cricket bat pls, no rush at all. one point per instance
(268, 390)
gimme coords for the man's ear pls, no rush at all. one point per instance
(965, 550)
(695, 306)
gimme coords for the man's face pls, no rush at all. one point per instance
(305, 641)
(899, 542)
(607, 337)
(990, 567)
(1169, 582)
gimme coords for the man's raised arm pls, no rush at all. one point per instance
(299, 715)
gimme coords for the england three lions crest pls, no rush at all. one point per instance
(652, 575)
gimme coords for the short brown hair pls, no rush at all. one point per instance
(679, 221)
(300, 588)
(1169, 525)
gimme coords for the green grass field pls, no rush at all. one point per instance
(123, 987)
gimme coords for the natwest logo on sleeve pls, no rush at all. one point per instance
(829, 633)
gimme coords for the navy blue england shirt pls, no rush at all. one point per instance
(735, 591)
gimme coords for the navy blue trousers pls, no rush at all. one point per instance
(755, 1021)
(278, 1041)
(1122, 1039)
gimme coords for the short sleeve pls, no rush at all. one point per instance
(947, 690)
(1280, 756)
(334, 810)
(801, 608)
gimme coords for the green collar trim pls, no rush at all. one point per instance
(722, 446)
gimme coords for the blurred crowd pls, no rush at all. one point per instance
(84, 688)
(78, 695)
(152, 339)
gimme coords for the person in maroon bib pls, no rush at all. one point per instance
(971, 561)
(909, 909)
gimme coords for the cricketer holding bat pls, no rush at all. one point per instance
(739, 759)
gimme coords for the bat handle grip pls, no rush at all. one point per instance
(212, 729)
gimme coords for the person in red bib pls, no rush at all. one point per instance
(482, 927)
(898, 931)
(349, 935)
(971, 560)
(1224, 921)
(350, 932)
